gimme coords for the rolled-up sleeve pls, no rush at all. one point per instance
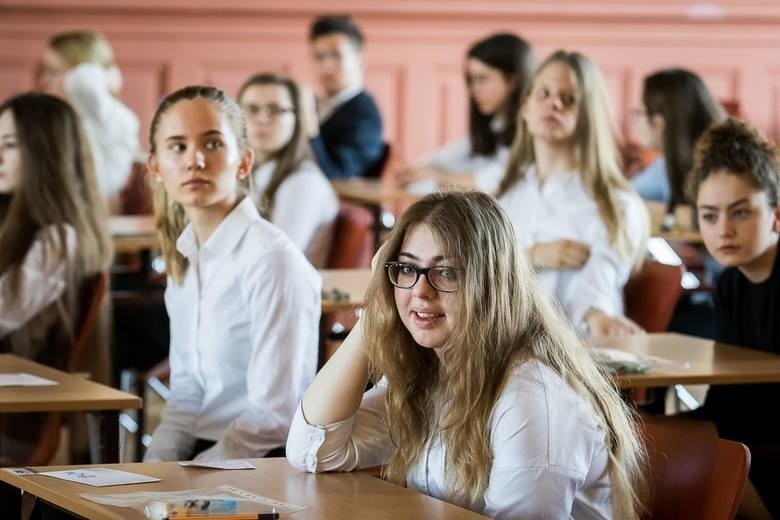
(361, 441)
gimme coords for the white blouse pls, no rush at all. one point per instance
(244, 340)
(563, 209)
(305, 208)
(456, 157)
(549, 449)
(41, 283)
(111, 128)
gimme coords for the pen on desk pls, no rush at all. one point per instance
(231, 516)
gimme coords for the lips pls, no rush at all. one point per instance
(728, 250)
(427, 320)
(196, 183)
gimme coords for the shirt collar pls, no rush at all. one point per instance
(227, 235)
(330, 104)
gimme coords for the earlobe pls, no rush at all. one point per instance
(776, 223)
(152, 169)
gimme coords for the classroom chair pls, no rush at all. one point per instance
(136, 195)
(92, 294)
(693, 476)
(651, 295)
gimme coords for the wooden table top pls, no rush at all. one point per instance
(683, 231)
(371, 192)
(132, 233)
(341, 496)
(71, 394)
(693, 361)
(353, 282)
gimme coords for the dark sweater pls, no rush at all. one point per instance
(350, 142)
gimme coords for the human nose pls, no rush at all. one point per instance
(196, 160)
(423, 288)
(725, 226)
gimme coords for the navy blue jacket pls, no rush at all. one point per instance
(350, 142)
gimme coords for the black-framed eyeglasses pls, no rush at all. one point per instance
(271, 111)
(404, 276)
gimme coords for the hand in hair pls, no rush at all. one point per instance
(560, 254)
(602, 324)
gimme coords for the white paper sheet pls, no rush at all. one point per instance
(219, 464)
(100, 477)
(24, 379)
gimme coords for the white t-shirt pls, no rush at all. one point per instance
(305, 208)
(549, 449)
(244, 340)
(563, 209)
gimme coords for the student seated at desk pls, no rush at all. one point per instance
(582, 224)
(484, 397)
(290, 190)
(735, 184)
(52, 239)
(496, 71)
(244, 303)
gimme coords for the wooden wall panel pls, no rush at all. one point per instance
(415, 48)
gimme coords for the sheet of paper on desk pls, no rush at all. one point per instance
(24, 379)
(219, 464)
(624, 362)
(100, 477)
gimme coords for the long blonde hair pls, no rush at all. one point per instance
(595, 141)
(58, 190)
(170, 218)
(78, 47)
(503, 319)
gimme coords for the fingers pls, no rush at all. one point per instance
(573, 255)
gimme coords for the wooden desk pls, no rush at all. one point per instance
(354, 282)
(72, 394)
(132, 233)
(371, 192)
(683, 230)
(694, 361)
(338, 496)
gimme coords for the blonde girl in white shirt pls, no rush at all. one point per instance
(52, 238)
(243, 302)
(496, 69)
(484, 397)
(583, 225)
(80, 66)
(289, 187)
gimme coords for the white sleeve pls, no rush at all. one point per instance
(41, 280)
(599, 284)
(301, 203)
(173, 440)
(362, 441)
(284, 302)
(112, 128)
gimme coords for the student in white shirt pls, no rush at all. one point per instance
(244, 303)
(289, 188)
(52, 238)
(80, 67)
(496, 69)
(582, 224)
(484, 395)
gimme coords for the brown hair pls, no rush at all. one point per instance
(57, 192)
(737, 148)
(292, 154)
(170, 217)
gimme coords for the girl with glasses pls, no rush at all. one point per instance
(52, 240)
(496, 69)
(289, 188)
(243, 302)
(582, 224)
(484, 397)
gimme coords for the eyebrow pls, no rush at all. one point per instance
(735, 203)
(12, 134)
(413, 257)
(182, 137)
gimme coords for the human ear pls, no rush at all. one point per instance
(658, 124)
(245, 166)
(152, 167)
(776, 223)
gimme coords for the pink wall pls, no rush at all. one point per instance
(414, 50)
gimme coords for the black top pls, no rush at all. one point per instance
(350, 142)
(748, 315)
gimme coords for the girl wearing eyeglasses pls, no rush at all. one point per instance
(484, 397)
(582, 224)
(244, 303)
(289, 188)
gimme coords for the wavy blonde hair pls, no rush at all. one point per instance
(595, 141)
(170, 219)
(502, 319)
